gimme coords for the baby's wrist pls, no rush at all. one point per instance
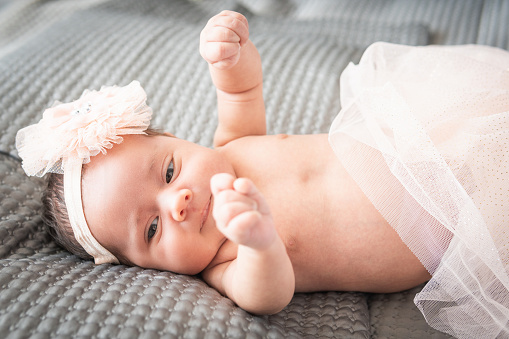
(271, 245)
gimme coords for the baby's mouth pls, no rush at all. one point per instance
(205, 213)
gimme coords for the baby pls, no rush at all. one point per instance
(259, 216)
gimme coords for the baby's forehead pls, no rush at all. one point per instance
(116, 183)
(130, 153)
(136, 153)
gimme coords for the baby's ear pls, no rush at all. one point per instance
(168, 134)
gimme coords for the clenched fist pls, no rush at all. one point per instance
(241, 212)
(222, 38)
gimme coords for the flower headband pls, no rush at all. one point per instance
(70, 133)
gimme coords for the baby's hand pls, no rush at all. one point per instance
(241, 212)
(222, 39)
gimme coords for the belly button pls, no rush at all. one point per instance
(282, 136)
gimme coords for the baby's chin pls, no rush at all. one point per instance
(187, 268)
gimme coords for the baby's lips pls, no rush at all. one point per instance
(206, 212)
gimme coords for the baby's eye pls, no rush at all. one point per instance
(169, 172)
(153, 228)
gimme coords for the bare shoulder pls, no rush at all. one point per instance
(280, 143)
(260, 155)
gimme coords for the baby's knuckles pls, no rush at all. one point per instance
(226, 53)
(217, 52)
(243, 230)
(218, 33)
(229, 204)
(222, 34)
(233, 21)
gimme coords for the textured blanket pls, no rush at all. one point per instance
(55, 49)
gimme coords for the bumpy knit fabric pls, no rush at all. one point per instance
(54, 49)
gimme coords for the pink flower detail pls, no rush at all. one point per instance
(83, 128)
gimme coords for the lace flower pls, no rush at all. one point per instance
(83, 128)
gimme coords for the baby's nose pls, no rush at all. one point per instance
(182, 199)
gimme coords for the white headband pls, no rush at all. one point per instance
(69, 134)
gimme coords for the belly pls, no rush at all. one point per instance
(369, 258)
(334, 236)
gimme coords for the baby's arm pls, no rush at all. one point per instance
(235, 67)
(261, 280)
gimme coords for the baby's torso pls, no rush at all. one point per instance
(334, 236)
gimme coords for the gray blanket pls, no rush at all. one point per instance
(54, 49)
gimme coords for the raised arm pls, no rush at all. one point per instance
(261, 279)
(236, 71)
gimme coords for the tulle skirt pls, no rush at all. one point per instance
(424, 131)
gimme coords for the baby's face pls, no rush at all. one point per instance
(149, 199)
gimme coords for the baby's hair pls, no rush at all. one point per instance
(56, 218)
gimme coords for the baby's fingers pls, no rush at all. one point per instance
(222, 39)
(233, 21)
(220, 34)
(221, 54)
(229, 203)
(226, 212)
(241, 212)
(220, 182)
(248, 188)
(242, 228)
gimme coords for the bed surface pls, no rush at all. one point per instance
(55, 49)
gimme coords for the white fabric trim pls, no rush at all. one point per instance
(72, 192)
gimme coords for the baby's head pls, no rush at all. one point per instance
(119, 192)
(56, 218)
(64, 140)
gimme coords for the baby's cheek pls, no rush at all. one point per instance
(179, 253)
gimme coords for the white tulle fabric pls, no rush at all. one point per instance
(70, 134)
(424, 131)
